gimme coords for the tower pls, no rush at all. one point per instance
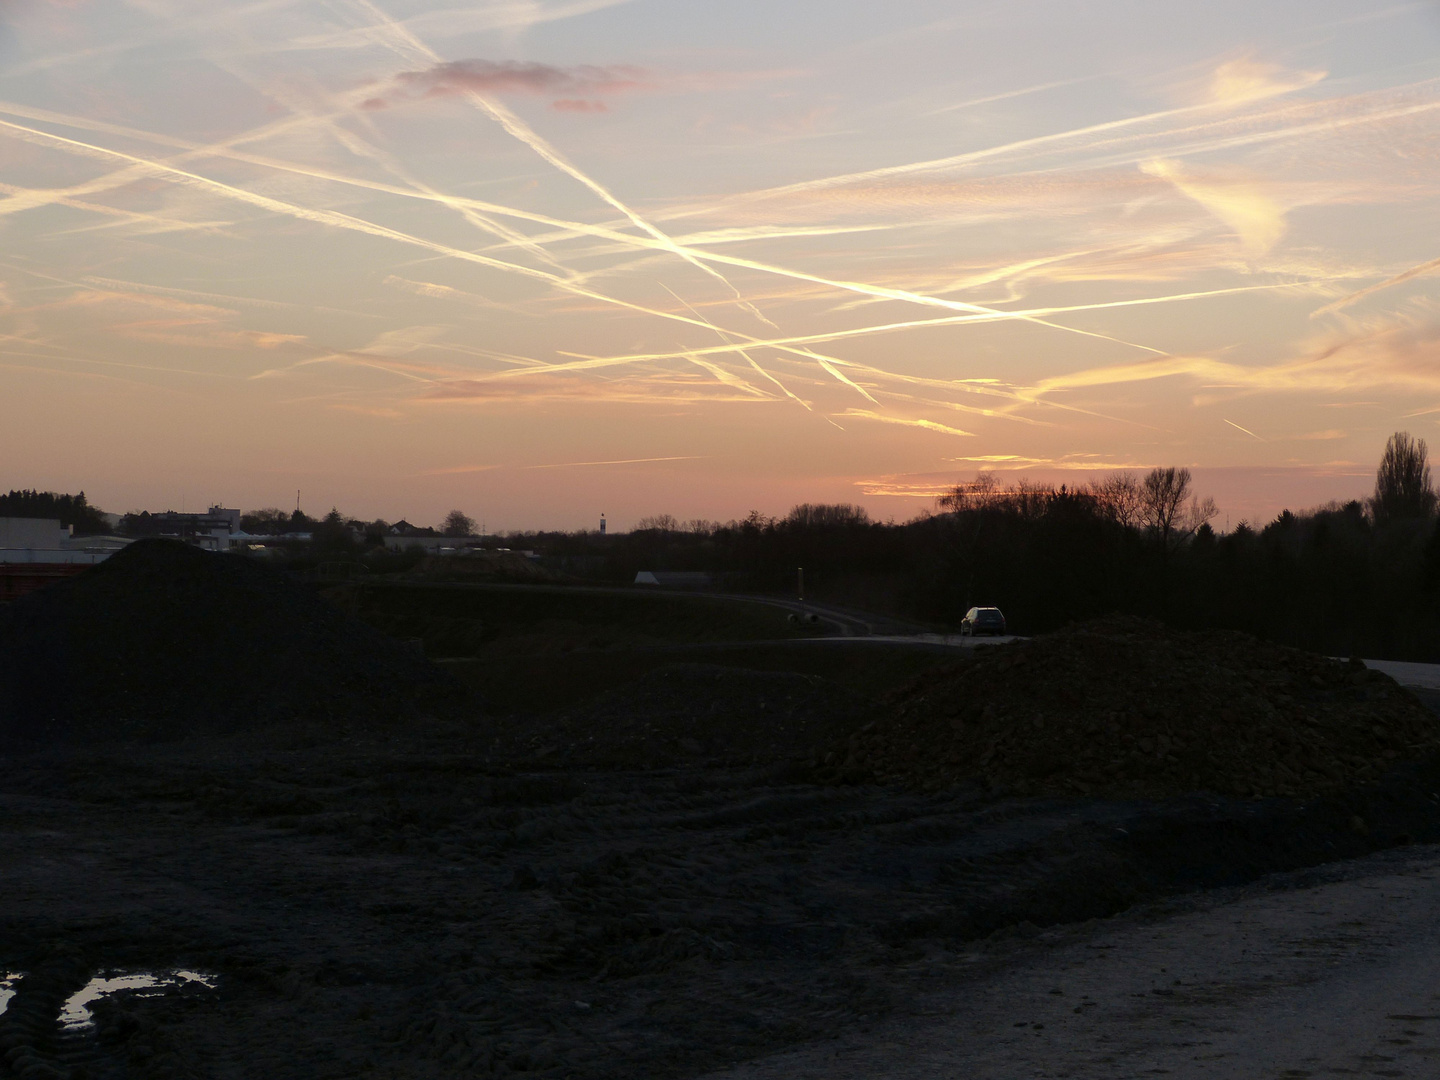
(602, 524)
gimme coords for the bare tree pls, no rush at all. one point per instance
(658, 523)
(970, 496)
(826, 516)
(1402, 483)
(1162, 497)
(458, 523)
(1199, 512)
(1163, 510)
(1119, 498)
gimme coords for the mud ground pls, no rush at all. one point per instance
(419, 911)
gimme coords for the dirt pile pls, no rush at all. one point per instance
(164, 640)
(690, 713)
(1123, 707)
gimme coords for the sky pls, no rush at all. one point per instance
(541, 260)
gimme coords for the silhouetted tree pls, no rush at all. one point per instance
(1120, 498)
(69, 509)
(1162, 497)
(332, 534)
(267, 522)
(458, 523)
(826, 516)
(1402, 483)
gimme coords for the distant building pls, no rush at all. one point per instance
(602, 524)
(37, 551)
(33, 533)
(210, 530)
(674, 579)
(432, 543)
(404, 528)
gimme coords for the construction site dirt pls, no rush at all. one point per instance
(426, 914)
(695, 869)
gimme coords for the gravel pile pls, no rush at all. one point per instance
(163, 640)
(1126, 707)
(692, 713)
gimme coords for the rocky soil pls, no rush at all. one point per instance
(1124, 707)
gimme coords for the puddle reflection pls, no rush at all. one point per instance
(7, 988)
(76, 1015)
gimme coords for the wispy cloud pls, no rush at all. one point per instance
(1248, 78)
(1240, 203)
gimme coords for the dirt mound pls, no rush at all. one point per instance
(163, 640)
(688, 713)
(1127, 707)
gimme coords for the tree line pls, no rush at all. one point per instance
(1361, 577)
(1354, 578)
(69, 509)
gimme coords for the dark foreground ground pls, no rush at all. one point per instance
(613, 836)
(418, 911)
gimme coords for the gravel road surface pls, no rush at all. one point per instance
(1334, 972)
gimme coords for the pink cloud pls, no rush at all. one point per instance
(575, 89)
(579, 105)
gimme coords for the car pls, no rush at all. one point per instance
(982, 620)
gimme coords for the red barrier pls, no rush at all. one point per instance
(17, 579)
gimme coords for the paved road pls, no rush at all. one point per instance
(1337, 978)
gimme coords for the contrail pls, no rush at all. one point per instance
(1433, 266)
(1246, 430)
(936, 164)
(1009, 94)
(119, 217)
(365, 149)
(928, 425)
(347, 221)
(34, 198)
(874, 291)
(523, 132)
(621, 461)
(741, 349)
(997, 316)
(830, 365)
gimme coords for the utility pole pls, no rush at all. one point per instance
(800, 583)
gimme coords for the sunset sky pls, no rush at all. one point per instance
(544, 259)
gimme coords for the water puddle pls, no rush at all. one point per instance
(76, 1017)
(7, 989)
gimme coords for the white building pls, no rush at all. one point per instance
(45, 541)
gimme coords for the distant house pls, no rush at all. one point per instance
(404, 528)
(674, 579)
